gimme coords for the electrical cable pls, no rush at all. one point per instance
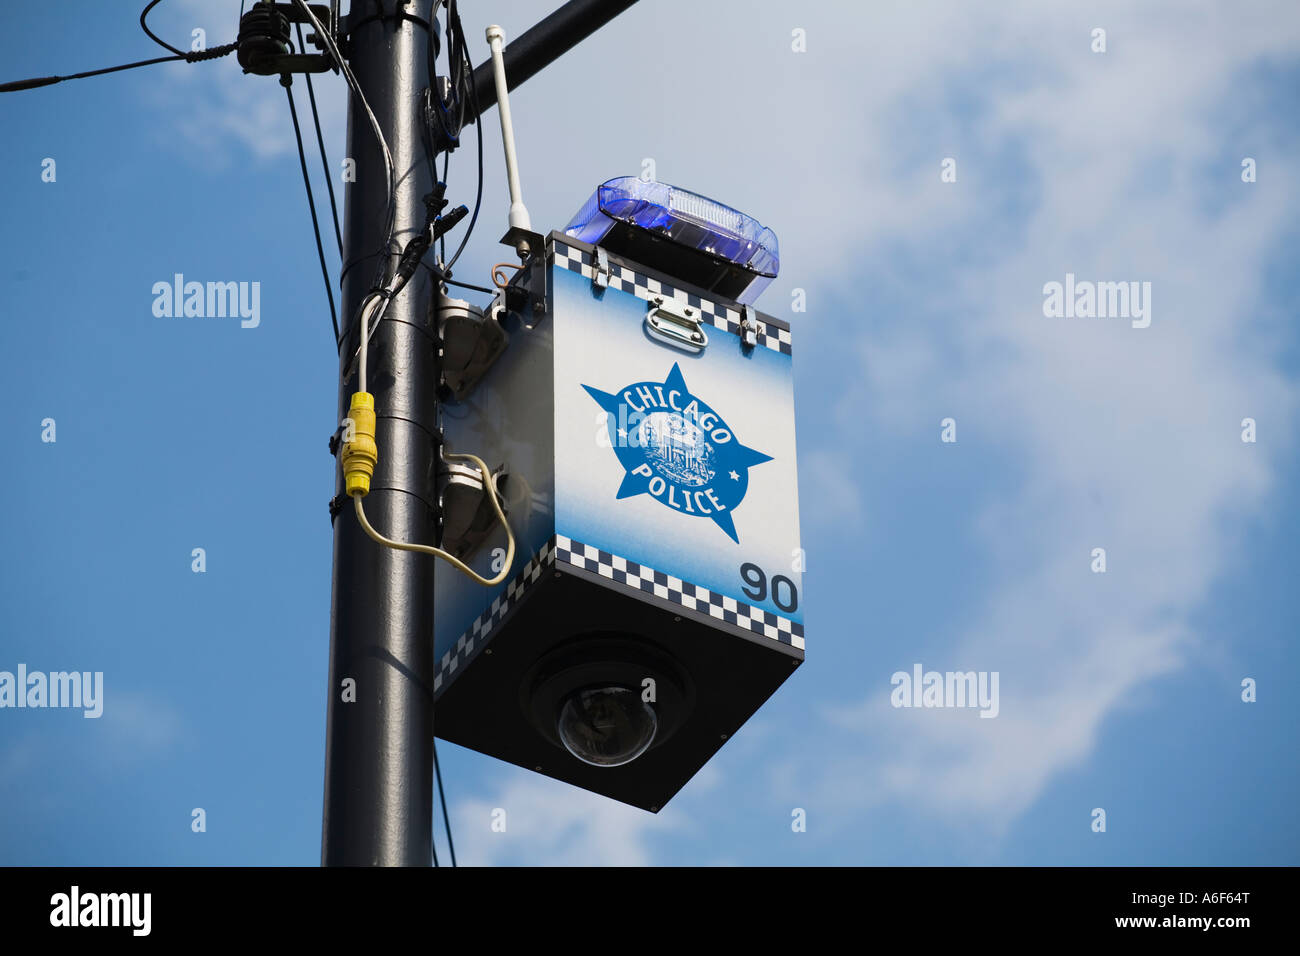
(285, 81)
(499, 278)
(365, 334)
(435, 106)
(450, 136)
(450, 112)
(412, 258)
(465, 285)
(453, 13)
(390, 180)
(320, 141)
(478, 200)
(443, 799)
(489, 487)
(152, 36)
(442, 240)
(433, 843)
(199, 55)
(426, 140)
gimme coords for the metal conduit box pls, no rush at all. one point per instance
(643, 436)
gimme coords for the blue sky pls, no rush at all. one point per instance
(924, 301)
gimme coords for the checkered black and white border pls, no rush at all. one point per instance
(665, 586)
(644, 287)
(473, 640)
(688, 595)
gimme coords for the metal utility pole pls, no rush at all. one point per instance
(378, 806)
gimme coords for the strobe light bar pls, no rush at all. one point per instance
(681, 233)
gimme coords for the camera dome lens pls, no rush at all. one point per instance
(606, 726)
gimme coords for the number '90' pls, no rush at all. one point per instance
(784, 594)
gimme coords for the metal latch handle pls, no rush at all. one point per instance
(676, 324)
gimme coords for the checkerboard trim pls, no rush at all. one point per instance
(622, 571)
(476, 637)
(690, 596)
(718, 315)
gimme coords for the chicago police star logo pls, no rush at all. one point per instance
(677, 449)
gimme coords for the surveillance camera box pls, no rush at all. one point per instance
(643, 437)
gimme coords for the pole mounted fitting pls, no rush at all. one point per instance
(263, 39)
(360, 453)
(520, 234)
(264, 46)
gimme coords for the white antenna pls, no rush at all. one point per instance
(520, 234)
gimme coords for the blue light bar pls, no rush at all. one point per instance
(686, 219)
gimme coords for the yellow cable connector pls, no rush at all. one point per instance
(361, 453)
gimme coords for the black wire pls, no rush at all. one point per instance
(153, 36)
(320, 141)
(478, 131)
(445, 819)
(450, 112)
(435, 96)
(466, 285)
(442, 277)
(426, 137)
(478, 198)
(458, 68)
(386, 251)
(433, 838)
(431, 60)
(311, 205)
(37, 81)
(442, 240)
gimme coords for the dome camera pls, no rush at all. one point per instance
(607, 726)
(606, 699)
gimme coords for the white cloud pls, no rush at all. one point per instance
(830, 494)
(1124, 438)
(135, 726)
(548, 823)
(222, 113)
